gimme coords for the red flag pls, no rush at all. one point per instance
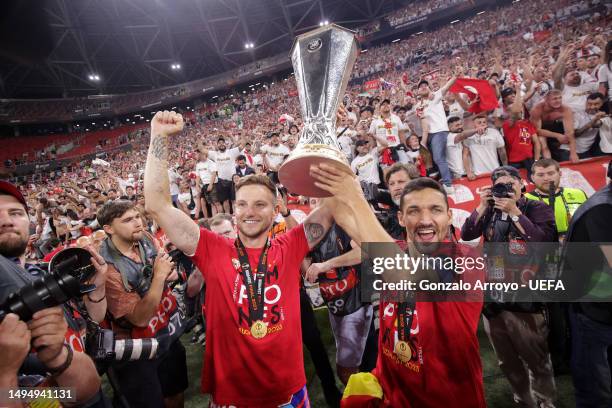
(476, 87)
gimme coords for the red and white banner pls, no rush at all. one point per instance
(372, 85)
(589, 175)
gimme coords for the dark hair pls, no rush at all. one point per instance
(220, 139)
(545, 163)
(420, 184)
(113, 209)
(607, 59)
(596, 95)
(421, 82)
(453, 119)
(409, 168)
(241, 157)
(256, 179)
(112, 189)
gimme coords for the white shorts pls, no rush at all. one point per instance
(351, 332)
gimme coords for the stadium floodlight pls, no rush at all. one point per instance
(323, 23)
(419, 33)
(362, 51)
(396, 40)
(480, 12)
(249, 45)
(93, 77)
(454, 21)
(175, 67)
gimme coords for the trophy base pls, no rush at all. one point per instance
(294, 174)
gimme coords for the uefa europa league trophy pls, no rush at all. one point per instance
(322, 62)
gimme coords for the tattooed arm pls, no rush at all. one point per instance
(180, 229)
(317, 224)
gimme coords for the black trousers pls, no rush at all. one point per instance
(311, 337)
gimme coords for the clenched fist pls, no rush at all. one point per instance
(166, 123)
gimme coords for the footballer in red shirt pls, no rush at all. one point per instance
(253, 354)
(428, 351)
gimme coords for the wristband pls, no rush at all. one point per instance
(59, 370)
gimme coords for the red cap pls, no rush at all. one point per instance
(12, 189)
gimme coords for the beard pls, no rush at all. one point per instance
(396, 201)
(13, 247)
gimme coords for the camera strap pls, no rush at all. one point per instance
(254, 282)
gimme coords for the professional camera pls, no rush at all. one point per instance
(502, 190)
(69, 269)
(103, 347)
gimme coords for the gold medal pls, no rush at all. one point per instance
(402, 351)
(259, 329)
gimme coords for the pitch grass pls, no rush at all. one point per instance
(497, 389)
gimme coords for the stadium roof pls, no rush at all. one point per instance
(71, 48)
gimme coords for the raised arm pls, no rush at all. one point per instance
(177, 225)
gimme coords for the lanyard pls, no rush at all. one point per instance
(553, 198)
(405, 314)
(254, 282)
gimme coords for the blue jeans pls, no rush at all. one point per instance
(437, 146)
(590, 366)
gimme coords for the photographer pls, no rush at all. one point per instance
(53, 332)
(517, 331)
(141, 305)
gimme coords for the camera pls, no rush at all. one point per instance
(502, 190)
(102, 347)
(68, 271)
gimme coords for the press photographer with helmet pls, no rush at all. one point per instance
(517, 331)
(141, 305)
(47, 342)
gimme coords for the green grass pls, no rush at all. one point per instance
(497, 389)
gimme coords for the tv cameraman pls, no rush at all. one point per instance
(517, 331)
(141, 305)
(58, 360)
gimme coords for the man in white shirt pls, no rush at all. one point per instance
(206, 170)
(365, 166)
(226, 167)
(174, 178)
(483, 149)
(345, 138)
(388, 125)
(588, 124)
(431, 107)
(567, 78)
(455, 147)
(274, 154)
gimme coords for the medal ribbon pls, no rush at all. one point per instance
(405, 314)
(254, 282)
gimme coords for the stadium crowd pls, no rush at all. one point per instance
(508, 94)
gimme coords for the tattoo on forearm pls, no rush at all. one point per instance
(159, 148)
(313, 231)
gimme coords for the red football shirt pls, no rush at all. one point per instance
(518, 140)
(239, 369)
(445, 369)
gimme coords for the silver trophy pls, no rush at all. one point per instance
(322, 62)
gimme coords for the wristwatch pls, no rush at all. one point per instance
(288, 213)
(514, 218)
